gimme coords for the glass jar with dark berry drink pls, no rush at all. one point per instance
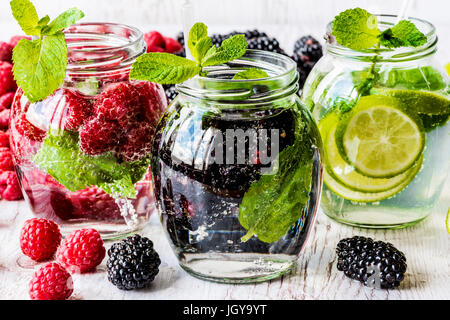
(237, 171)
(83, 154)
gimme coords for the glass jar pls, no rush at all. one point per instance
(237, 171)
(82, 155)
(383, 115)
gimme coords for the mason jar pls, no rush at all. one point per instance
(237, 171)
(82, 155)
(383, 116)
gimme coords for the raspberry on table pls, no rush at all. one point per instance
(9, 186)
(155, 42)
(39, 239)
(99, 136)
(81, 251)
(15, 40)
(6, 161)
(137, 142)
(172, 45)
(7, 83)
(119, 102)
(6, 51)
(78, 110)
(6, 100)
(4, 139)
(51, 282)
(4, 119)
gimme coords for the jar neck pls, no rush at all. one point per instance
(102, 49)
(217, 87)
(402, 54)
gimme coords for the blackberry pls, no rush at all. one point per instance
(308, 48)
(171, 92)
(303, 68)
(266, 44)
(132, 263)
(360, 258)
(180, 38)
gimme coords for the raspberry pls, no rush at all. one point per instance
(9, 186)
(78, 110)
(15, 40)
(6, 100)
(4, 119)
(25, 128)
(155, 42)
(51, 282)
(152, 99)
(138, 142)
(172, 45)
(99, 136)
(6, 162)
(81, 251)
(4, 139)
(119, 102)
(39, 239)
(7, 83)
(5, 51)
(94, 203)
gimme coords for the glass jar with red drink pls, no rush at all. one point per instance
(82, 155)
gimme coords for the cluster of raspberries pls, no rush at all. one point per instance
(9, 184)
(80, 252)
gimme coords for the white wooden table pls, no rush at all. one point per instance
(426, 245)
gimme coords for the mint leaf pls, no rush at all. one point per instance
(197, 32)
(163, 68)
(251, 73)
(201, 48)
(356, 29)
(60, 156)
(40, 65)
(231, 49)
(275, 202)
(25, 14)
(403, 34)
(64, 20)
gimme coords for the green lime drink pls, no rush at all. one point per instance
(383, 117)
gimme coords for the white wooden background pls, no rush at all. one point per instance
(427, 245)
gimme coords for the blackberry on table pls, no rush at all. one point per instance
(360, 258)
(308, 48)
(266, 44)
(303, 68)
(132, 263)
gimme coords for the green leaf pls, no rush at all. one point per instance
(251, 73)
(356, 29)
(64, 20)
(275, 202)
(43, 22)
(61, 157)
(163, 68)
(197, 32)
(231, 49)
(25, 14)
(40, 65)
(403, 34)
(201, 48)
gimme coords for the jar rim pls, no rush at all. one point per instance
(218, 84)
(387, 54)
(101, 48)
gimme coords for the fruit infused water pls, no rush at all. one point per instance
(382, 108)
(83, 153)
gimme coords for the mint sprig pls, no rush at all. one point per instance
(357, 29)
(165, 68)
(40, 64)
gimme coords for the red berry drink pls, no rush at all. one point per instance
(83, 154)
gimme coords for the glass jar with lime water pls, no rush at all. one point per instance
(382, 108)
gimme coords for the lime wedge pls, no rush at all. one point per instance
(379, 138)
(338, 188)
(419, 101)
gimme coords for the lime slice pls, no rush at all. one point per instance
(447, 221)
(419, 101)
(379, 138)
(338, 188)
